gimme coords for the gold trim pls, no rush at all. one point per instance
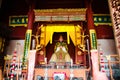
(96, 24)
(59, 10)
(18, 25)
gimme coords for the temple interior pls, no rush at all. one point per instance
(59, 40)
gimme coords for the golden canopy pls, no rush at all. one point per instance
(74, 32)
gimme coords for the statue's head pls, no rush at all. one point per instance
(61, 38)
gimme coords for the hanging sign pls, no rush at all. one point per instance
(102, 19)
(18, 21)
(26, 48)
(93, 39)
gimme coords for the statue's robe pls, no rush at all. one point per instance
(60, 53)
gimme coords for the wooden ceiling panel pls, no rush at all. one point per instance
(59, 4)
(100, 6)
(9, 7)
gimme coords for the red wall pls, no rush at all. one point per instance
(104, 32)
(18, 32)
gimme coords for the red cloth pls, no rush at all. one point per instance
(97, 75)
(80, 58)
(31, 64)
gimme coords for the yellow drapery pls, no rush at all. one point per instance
(71, 29)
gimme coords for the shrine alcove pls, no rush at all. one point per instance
(48, 35)
(50, 47)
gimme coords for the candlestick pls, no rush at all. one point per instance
(45, 59)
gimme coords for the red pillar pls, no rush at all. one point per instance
(93, 40)
(28, 36)
(90, 24)
(90, 20)
(30, 18)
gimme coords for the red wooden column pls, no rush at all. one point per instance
(90, 25)
(28, 37)
(93, 40)
(92, 33)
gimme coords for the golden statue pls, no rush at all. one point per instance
(60, 52)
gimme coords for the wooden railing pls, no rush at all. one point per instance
(117, 61)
